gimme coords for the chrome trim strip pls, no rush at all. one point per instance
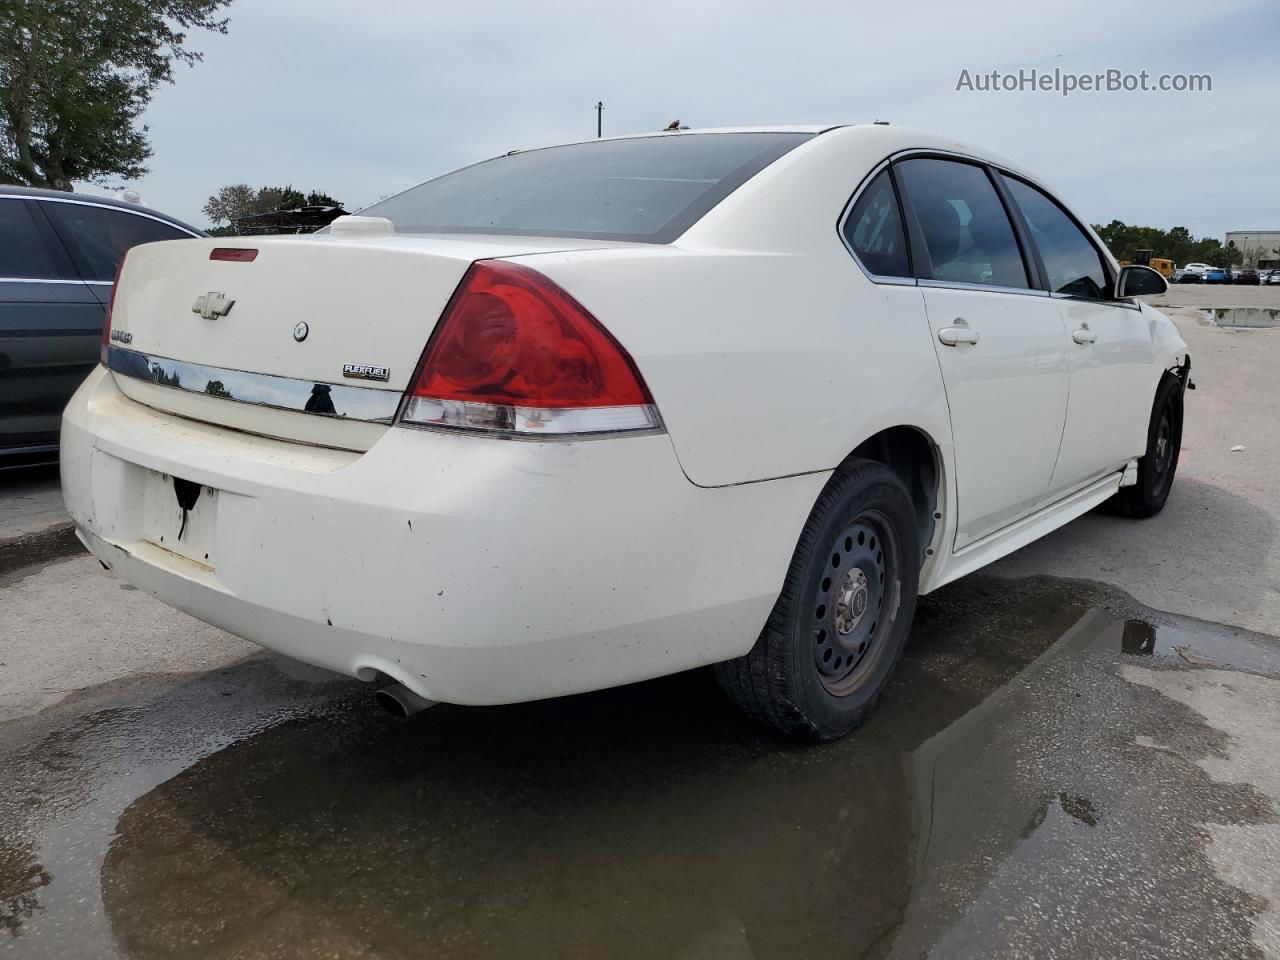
(92, 283)
(984, 288)
(260, 389)
(1123, 304)
(41, 280)
(100, 206)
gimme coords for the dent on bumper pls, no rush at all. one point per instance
(473, 570)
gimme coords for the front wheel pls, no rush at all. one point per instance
(1160, 461)
(843, 616)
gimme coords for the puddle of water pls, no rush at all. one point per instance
(239, 815)
(1245, 317)
(21, 877)
(1201, 648)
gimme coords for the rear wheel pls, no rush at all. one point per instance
(843, 616)
(1160, 462)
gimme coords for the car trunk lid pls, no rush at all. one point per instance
(317, 337)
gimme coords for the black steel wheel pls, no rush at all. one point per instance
(844, 613)
(1159, 464)
(850, 627)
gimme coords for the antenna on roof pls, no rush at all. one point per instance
(881, 123)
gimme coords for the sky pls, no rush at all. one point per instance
(361, 100)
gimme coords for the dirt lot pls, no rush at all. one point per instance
(1213, 295)
(1076, 759)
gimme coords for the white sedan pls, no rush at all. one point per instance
(579, 416)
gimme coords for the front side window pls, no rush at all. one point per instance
(23, 255)
(101, 235)
(1072, 261)
(644, 189)
(966, 231)
(874, 231)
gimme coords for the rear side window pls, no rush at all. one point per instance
(966, 231)
(874, 231)
(23, 254)
(101, 235)
(648, 189)
(1072, 261)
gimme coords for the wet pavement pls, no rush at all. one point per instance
(1246, 317)
(1054, 771)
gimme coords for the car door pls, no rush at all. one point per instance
(999, 341)
(98, 237)
(1109, 344)
(50, 328)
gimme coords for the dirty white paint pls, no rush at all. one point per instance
(1245, 707)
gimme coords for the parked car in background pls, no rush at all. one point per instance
(1217, 275)
(1186, 275)
(583, 415)
(58, 255)
(1247, 277)
(1273, 277)
(1197, 269)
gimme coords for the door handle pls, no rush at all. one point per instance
(955, 335)
(1083, 334)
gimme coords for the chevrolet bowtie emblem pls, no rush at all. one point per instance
(211, 305)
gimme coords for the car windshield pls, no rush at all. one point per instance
(648, 189)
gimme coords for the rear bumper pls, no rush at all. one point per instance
(473, 570)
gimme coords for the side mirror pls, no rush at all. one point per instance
(1139, 282)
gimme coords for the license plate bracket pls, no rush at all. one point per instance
(181, 517)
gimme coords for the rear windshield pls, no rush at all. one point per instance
(649, 189)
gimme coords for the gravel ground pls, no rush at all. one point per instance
(1201, 295)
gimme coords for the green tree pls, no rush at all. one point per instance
(232, 201)
(288, 198)
(1176, 244)
(76, 76)
(279, 198)
(317, 199)
(238, 200)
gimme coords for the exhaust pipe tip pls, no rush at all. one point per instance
(399, 701)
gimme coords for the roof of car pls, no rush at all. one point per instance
(774, 128)
(7, 190)
(905, 137)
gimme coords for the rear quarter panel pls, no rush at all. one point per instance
(767, 350)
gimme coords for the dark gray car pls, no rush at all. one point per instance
(58, 256)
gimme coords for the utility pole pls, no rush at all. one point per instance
(599, 117)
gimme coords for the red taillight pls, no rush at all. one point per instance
(514, 352)
(234, 254)
(111, 305)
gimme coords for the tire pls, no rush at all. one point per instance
(844, 614)
(1159, 463)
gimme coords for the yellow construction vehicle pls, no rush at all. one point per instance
(1143, 258)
